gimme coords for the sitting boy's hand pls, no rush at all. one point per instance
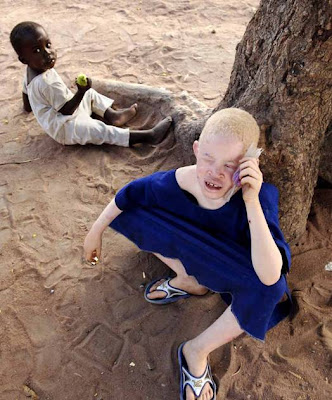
(82, 88)
(251, 179)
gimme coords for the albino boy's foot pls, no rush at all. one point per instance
(120, 117)
(160, 130)
(196, 366)
(188, 284)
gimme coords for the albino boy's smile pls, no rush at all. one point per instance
(212, 186)
(217, 159)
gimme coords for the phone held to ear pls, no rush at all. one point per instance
(252, 151)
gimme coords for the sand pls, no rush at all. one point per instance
(72, 331)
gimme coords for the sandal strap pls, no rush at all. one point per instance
(197, 384)
(170, 290)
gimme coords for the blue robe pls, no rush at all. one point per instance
(213, 245)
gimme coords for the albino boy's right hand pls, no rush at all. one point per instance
(92, 246)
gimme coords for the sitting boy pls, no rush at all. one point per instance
(67, 117)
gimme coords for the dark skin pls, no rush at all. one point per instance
(39, 55)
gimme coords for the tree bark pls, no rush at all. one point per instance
(282, 75)
(325, 166)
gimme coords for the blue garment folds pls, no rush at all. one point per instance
(213, 245)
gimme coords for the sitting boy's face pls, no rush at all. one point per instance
(37, 51)
(217, 159)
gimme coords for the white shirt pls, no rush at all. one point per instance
(47, 95)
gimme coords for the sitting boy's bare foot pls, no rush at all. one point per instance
(152, 136)
(196, 366)
(160, 130)
(120, 117)
(188, 284)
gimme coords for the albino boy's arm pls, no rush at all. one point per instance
(106, 217)
(265, 254)
(93, 240)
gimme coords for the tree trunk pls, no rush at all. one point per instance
(325, 167)
(282, 75)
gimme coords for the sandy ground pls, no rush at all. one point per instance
(72, 331)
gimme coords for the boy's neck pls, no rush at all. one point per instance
(32, 73)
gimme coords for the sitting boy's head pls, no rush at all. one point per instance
(33, 46)
(232, 122)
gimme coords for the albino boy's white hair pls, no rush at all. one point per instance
(232, 122)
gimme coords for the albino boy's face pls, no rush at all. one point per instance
(37, 51)
(217, 159)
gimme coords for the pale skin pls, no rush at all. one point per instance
(209, 180)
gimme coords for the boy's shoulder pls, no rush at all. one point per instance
(48, 77)
(162, 177)
(156, 178)
(269, 195)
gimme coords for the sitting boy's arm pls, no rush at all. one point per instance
(93, 240)
(26, 102)
(71, 105)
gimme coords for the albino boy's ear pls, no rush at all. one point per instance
(196, 147)
(23, 60)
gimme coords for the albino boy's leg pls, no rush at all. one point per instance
(173, 263)
(196, 351)
(181, 281)
(222, 331)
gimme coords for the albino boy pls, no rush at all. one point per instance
(233, 247)
(65, 116)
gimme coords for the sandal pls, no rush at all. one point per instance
(196, 384)
(172, 294)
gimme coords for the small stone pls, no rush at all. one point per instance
(150, 367)
(213, 31)
(328, 266)
(52, 291)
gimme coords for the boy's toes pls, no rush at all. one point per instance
(134, 108)
(154, 293)
(161, 129)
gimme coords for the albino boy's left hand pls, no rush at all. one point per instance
(251, 179)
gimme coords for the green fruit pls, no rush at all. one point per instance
(82, 80)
